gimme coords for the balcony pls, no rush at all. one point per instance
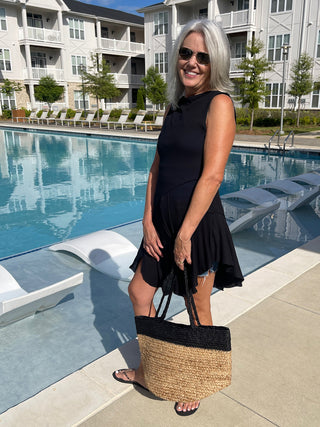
(41, 35)
(37, 73)
(122, 45)
(125, 80)
(234, 62)
(235, 20)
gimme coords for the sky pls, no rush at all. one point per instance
(129, 6)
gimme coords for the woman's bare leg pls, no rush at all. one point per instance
(202, 302)
(141, 295)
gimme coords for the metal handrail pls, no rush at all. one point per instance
(285, 141)
(277, 132)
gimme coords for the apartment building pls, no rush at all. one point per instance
(57, 38)
(275, 22)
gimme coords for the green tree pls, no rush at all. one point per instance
(155, 87)
(99, 82)
(48, 90)
(253, 89)
(140, 99)
(301, 80)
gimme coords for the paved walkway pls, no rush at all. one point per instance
(276, 347)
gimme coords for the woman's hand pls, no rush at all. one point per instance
(182, 251)
(151, 241)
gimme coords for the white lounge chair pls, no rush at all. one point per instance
(289, 186)
(16, 303)
(158, 122)
(77, 118)
(33, 116)
(43, 117)
(88, 120)
(105, 250)
(104, 119)
(307, 178)
(60, 120)
(253, 216)
(254, 195)
(122, 119)
(137, 121)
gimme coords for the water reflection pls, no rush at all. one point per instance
(54, 187)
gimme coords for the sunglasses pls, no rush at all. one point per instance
(201, 57)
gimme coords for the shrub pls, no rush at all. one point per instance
(70, 113)
(115, 113)
(6, 112)
(27, 112)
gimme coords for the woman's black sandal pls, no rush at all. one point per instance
(128, 381)
(185, 413)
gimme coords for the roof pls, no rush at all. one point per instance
(103, 12)
(151, 6)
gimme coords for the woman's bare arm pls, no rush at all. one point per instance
(218, 143)
(151, 241)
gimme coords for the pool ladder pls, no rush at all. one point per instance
(283, 148)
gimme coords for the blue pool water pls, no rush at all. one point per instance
(58, 186)
(54, 187)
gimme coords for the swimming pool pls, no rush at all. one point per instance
(58, 186)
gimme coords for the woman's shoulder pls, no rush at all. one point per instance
(221, 98)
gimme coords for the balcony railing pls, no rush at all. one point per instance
(122, 45)
(41, 34)
(234, 62)
(127, 79)
(37, 73)
(235, 19)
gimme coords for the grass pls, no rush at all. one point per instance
(272, 129)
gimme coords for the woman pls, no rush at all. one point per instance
(183, 219)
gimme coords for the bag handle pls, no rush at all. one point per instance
(190, 304)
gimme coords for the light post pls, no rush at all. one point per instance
(82, 69)
(285, 50)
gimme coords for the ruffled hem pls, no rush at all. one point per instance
(210, 243)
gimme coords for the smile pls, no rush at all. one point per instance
(190, 73)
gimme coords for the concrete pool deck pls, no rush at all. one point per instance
(275, 325)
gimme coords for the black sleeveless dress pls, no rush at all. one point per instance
(180, 148)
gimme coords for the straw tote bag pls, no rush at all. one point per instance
(181, 362)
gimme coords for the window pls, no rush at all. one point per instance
(161, 23)
(274, 48)
(274, 99)
(76, 28)
(8, 101)
(34, 20)
(161, 62)
(203, 13)
(5, 63)
(316, 98)
(77, 63)
(132, 36)
(3, 19)
(240, 49)
(243, 4)
(38, 60)
(105, 32)
(318, 46)
(78, 100)
(280, 5)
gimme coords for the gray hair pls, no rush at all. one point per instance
(219, 51)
